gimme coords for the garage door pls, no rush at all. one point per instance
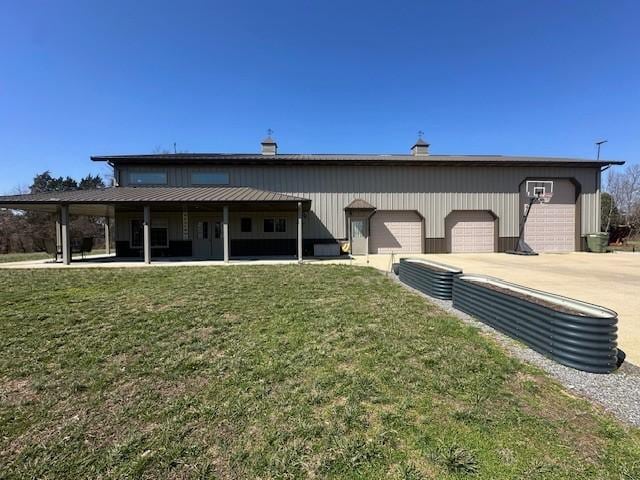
(471, 231)
(395, 231)
(551, 227)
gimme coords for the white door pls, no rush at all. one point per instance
(551, 227)
(396, 232)
(358, 236)
(471, 231)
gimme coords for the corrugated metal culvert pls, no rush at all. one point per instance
(430, 278)
(573, 333)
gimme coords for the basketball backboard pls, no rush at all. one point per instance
(541, 190)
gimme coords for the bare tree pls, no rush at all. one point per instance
(624, 187)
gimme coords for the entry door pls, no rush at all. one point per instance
(201, 238)
(207, 238)
(358, 236)
(217, 247)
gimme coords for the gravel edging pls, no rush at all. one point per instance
(617, 392)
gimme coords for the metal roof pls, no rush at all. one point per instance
(359, 204)
(123, 195)
(348, 159)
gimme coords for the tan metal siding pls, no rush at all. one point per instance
(432, 191)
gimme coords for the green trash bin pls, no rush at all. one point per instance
(598, 242)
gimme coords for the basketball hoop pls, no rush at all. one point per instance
(545, 197)
(541, 190)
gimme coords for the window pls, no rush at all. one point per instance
(148, 178)
(159, 233)
(217, 229)
(278, 225)
(245, 225)
(209, 178)
(202, 230)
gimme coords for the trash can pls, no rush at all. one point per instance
(598, 242)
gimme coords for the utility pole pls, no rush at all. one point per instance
(598, 145)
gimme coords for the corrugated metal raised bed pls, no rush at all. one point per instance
(431, 278)
(571, 332)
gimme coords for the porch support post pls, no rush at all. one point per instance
(225, 232)
(58, 233)
(299, 232)
(147, 234)
(107, 235)
(64, 233)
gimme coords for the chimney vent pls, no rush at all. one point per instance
(269, 145)
(420, 147)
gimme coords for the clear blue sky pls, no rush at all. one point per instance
(546, 77)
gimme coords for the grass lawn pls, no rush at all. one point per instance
(23, 257)
(274, 372)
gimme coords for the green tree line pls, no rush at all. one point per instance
(26, 231)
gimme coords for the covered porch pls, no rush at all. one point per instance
(178, 223)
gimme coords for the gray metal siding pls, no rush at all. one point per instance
(433, 191)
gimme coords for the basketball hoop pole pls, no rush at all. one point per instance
(521, 247)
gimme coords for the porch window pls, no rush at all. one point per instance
(245, 225)
(159, 233)
(148, 178)
(278, 225)
(209, 178)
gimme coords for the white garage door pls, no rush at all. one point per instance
(551, 227)
(395, 231)
(471, 231)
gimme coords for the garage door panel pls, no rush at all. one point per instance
(471, 231)
(396, 232)
(551, 227)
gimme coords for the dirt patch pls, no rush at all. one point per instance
(17, 392)
(529, 298)
(539, 398)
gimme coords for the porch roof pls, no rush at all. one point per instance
(101, 201)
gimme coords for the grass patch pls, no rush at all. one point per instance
(23, 257)
(26, 257)
(274, 372)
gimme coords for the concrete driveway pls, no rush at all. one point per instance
(610, 280)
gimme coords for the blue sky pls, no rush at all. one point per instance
(507, 77)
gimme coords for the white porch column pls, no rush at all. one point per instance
(107, 235)
(147, 234)
(64, 233)
(58, 233)
(225, 232)
(299, 232)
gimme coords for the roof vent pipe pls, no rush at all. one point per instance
(420, 147)
(269, 145)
